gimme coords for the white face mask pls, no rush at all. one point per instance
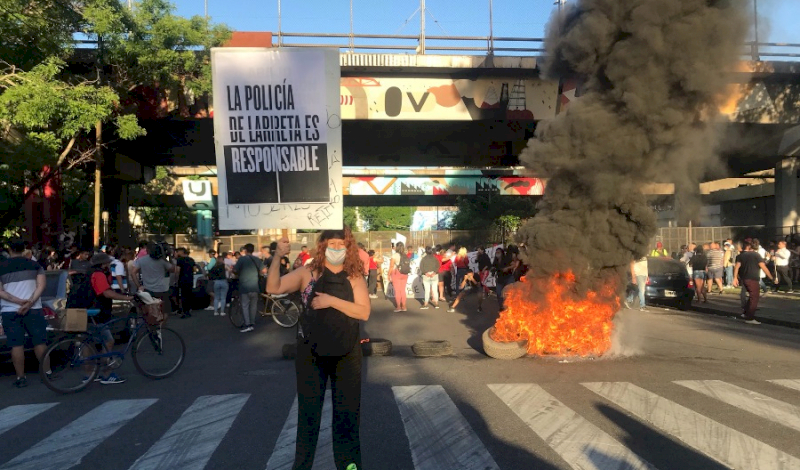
(335, 257)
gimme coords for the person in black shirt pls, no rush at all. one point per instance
(699, 264)
(185, 280)
(747, 273)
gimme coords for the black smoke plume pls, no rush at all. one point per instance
(652, 73)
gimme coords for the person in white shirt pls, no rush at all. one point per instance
(639, 279)
(765, 256)
(782, 255)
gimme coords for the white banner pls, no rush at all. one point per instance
(278, 138)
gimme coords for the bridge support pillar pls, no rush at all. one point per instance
(787, 210)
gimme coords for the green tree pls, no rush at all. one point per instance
(499, 216)
(48, 111)
(387, 217)
(164, 220)
(350, 218)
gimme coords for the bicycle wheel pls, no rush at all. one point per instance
(285, 312)
(158, 352)
(235, 312)
(70, 363)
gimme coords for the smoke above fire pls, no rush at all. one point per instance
(652, 74)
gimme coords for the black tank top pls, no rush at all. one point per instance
(329, 331)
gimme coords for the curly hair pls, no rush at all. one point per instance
(352, 261)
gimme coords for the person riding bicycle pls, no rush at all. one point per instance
(100, 279)
(335, 296)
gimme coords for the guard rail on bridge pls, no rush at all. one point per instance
(487, 45)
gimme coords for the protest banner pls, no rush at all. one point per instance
(277, 131)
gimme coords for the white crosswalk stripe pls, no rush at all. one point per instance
(580, 443)
(282, 457)
(752, 402)
(724, 444)
(793, 384)
(66, 447)
(189, 443)
(15, 415)
(438, 435)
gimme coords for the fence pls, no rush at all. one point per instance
(674, 237)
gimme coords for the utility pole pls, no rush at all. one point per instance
(98, 156)
(421, 27)
(205, 8)
(491, 30)
(755, 30)
(280, 37)
(352, 45)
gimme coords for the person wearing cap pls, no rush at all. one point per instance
(659, 251)
(100, 279)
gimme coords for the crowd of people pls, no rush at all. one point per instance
(727, 265)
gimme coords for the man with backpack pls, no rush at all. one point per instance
(185, 265)
(249, 269)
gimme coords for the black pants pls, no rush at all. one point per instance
(784, 276)
(313, 373)
(186, 293)
(372, 281)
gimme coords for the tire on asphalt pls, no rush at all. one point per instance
(684, 304)
(431, 348)
(501, 350)
(289, 351)
(377, 347)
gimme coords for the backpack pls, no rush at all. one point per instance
(329, 331)
(405, 264)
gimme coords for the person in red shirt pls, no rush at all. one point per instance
(372, 278)
(364, 257)
(446, 258)
(100, 280)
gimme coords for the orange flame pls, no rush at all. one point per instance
(556, 323)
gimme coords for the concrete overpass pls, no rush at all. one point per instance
(477, 112)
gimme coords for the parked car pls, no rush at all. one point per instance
(668, 282)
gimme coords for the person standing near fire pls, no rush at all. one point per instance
(639, 279)
(335, 300)
(747, 272)
(659, 251)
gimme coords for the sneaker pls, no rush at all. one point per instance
(627, 305)
(424, 307)
(436, 306)
(790, 292)
(752, 322)
(112, 379)
(643, 309)
(244, 329)
(222, 313)
(52, 376)
(373, 296)
(216, 313)
(451, 310)
(251, 328)
(21, 382)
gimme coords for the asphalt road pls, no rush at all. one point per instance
(696, 393)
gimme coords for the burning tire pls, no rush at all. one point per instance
(289, 351)
(377, 347)
(432, 348)
(501, 350)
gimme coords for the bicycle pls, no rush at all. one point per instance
(283, 308)
(157, 352)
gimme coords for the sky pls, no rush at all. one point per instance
(778, 18)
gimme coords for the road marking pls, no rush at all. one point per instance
(580, 443)
(439, 437)
(724, 444)
(793, 384)
(752, 402)
(282, 457)
(66, 447)
(189, 443)
(14, 415)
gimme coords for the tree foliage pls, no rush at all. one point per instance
(500, 215)
(49, 109)
(387, 217)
